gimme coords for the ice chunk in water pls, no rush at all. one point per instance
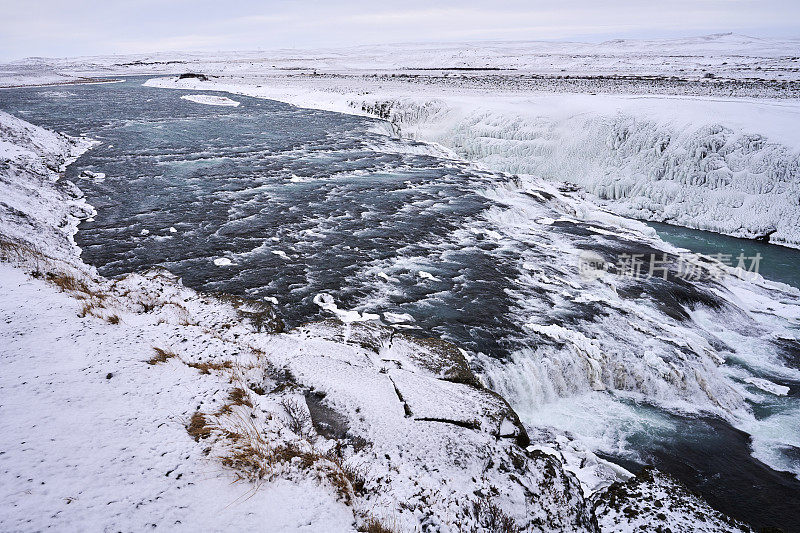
(396, 318)
(427, 275)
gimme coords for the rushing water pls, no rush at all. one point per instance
(302, 202)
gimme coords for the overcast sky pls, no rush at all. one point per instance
(59, 28)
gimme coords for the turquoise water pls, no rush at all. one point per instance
(778, 263)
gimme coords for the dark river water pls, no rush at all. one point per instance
(276, 202)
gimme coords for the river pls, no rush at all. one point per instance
(276, 202)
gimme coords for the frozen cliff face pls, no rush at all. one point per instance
(728, 167)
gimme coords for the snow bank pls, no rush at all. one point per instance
(36, 207)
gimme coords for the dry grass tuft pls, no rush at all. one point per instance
(14, 252)
(249, 454)
(149, 304)
(373, 525)
(248, 462)
(309, 459)
(346, 480)
(355, 473)
(206, 368)
(86, 310)
(238, 396)
(161, 356)
(67, 282)
(491, 517)
(198, 427)
(113, 319)
(340, 483)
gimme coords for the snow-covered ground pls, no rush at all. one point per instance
(719, 56)
(134, 402)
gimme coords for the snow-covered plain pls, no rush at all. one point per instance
(710, 57)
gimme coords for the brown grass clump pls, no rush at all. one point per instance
(249, 454)
(206, 368)
(113, 319)
(373, 525)
(161, 356)
(198, 427)
(248, 462)
(86, 310)
(14, 252)
(309, 459)
(237, 396)
(67, 282)
(340, 483)
(346, 479)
